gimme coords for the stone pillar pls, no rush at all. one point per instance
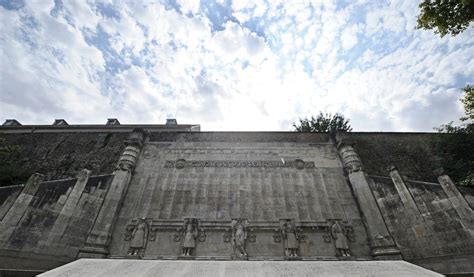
(381, 242)
(23, 200)
(67, 204)
(404, 193)
(99, 238)
(458, 201)
(15, 213)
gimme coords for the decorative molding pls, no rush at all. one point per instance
(351, 159)
(182, 163)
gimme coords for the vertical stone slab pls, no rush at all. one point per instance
(99, 238)
(404, 193)
(5, 207)
(458, 201)
(19, 207)
(381, 242)
(22, 202)
(69, 207)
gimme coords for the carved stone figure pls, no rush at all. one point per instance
(239, 236)
(190, 235)
(339, 233)
(291, 239)
(139, 237)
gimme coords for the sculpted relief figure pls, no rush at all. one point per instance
(239, 236)
(139, 237)
(190, 235)
(291, 239)
(339, 233)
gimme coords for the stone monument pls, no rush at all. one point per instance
(152, 194)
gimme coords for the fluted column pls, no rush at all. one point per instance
(380, 241)
(99, 238)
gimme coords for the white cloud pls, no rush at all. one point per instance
(349, 37)
(281, 61)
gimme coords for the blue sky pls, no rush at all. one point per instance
(229, 65)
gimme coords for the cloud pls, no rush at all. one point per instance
(239, 65)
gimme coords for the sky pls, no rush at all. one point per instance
(229, 65)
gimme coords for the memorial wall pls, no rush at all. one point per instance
(172, 192)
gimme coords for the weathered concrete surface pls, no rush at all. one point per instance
(46, 227)
(430, 232)
(96, 267)
(62, 152)
(247, 179)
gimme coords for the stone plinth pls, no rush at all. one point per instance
(104, 267)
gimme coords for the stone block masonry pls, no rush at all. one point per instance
(167, 193)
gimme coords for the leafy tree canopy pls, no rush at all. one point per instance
(445, 16)
(468, 102)
(323, 123)
(456, 146)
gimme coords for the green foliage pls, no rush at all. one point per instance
(9, 173)
(468, 102)
(323, 123)
(445, 16)
(456, 146)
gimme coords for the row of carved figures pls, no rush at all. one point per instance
(238, 235)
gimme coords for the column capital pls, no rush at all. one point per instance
(136, 138)
(350, 158)
(133, 147)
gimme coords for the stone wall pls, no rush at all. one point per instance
(166, 178)
(48, 221)
(427, 227)
(412, 153)
(61, 155)
(217, 177)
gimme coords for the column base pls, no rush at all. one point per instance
(387, 253)
(97, 252)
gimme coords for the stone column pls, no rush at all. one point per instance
(67, 205)
(405, 195)
(381, 242)
(458, 201)
(12, 218)
(23, 200)
(99, 238)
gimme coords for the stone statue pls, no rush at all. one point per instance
(291, 239)
(339, 233)
(190, 235)
(239, 236)
(139, 237)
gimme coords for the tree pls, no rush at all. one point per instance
(455, 145)
(323, 123)
(468, 102)
(445, 16)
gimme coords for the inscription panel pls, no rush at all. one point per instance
(181, 163)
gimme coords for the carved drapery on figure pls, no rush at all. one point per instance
(239, 237)
(339, 232)
(291, 238)
(137, 235)
(190, 235)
